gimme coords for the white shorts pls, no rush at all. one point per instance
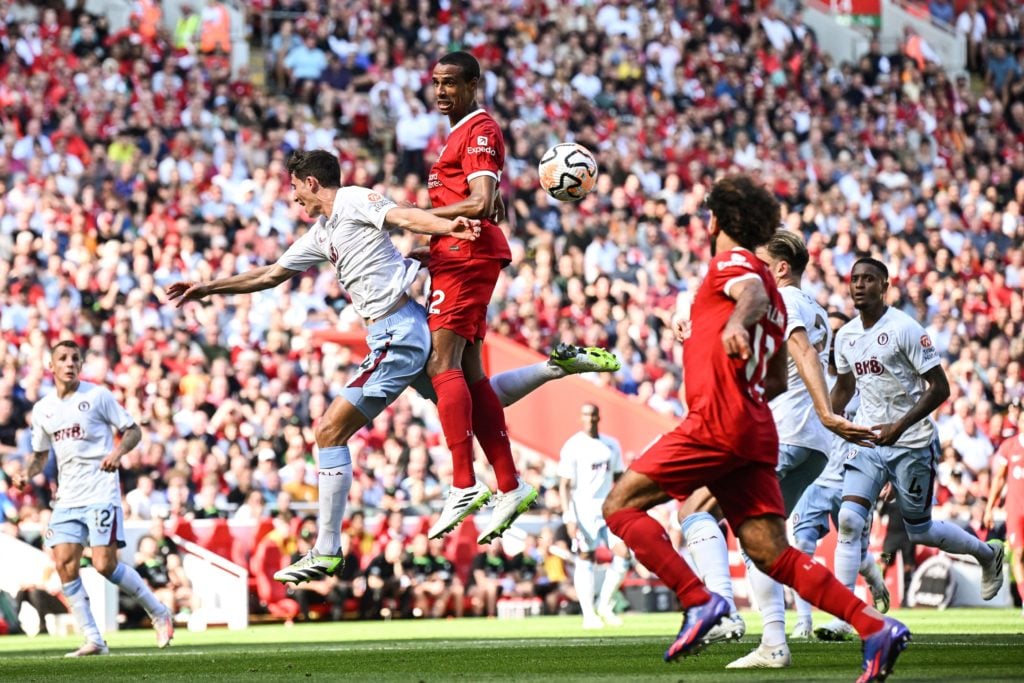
(911, 471)
(91, 526)
(592, 531)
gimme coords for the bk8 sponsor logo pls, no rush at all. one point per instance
(872, 366)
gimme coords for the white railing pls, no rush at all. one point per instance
(220, 588)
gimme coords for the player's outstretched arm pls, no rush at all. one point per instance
(995, 491)
(933, 397)
(808, 364)
(255, 280)
(417, 220)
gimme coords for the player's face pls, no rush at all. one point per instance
(590, 417)
(453, 93)
(66, 364)
(304, 194)
(867, 286)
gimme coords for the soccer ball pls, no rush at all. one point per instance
(567, 172)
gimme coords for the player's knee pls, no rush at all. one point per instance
(805, 543)
(919, 531)
(104, 565)
(851, 520)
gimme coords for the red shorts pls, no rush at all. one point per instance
(679, 464)
(460, 291)
(1015, 529)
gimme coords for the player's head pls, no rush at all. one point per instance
(312, 172)
(455, 79)
(66, 361)
(869, 281)
(786, 256)
(743, 210)
(590, 416)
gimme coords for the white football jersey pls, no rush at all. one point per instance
(355, 242)
(80, 428)
(793, 410)
(591, 465)
(888, 361)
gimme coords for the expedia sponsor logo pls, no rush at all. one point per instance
(432, 181)
(482, 150)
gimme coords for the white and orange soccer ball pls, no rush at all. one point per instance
(568, 172)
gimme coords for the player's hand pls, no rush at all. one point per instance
(988, 521)
(888, 493)
(682, 328)
(111, 463)
(855, 434)
(736, 340)
(887, 434)
(187, 291)
(465, 228)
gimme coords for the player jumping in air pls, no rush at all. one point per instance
(77, 420)
(588, 465)
(887, 357)
(463, 182)
(350, 234)
(734, 364)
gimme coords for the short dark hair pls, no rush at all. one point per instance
(882, 269)
(319, 163)
(744, 210)
(69, 343)
(466, 62)
(789, 247)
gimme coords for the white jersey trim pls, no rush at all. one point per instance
(477, 174)
(736, 280)
(468, 116)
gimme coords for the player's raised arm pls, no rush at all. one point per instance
(426, 223)
(933, 397)
(255, 280)
(808, 364)
(751, 305)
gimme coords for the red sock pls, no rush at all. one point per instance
(818, 586)
(490, 430)
(647, 538)
(455, 410)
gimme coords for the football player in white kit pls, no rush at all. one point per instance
(820, 503)
(351, 234)
(887, 357)
(77, 421)
(588, 466)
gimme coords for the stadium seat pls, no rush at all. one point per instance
(272, 595)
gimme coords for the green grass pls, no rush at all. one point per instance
(982, 645)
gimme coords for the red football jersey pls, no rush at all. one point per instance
(475, 147)
(727, 394)
(1012, 453)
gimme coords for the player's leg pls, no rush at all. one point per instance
(583, 580)
(913, 480)
(613, 578)
(564, 360)
(798, 468)
(67, 535)
(489, 419)
(1015, 539)
(454, 402)
(863, 478)
(810, 522)
(709, 554)
(106, 535)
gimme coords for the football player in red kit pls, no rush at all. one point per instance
(1008, 470)
(734, 362)
(464, 181)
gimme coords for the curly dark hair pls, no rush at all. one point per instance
(744, 210)
(319, 163)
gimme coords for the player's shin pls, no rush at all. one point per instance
(807, 545)
(647, 539)
(78, 599)
(852, 518)
(512, 385)
(333, 483)
(709, 553)
(583, 581)
(817, 585)
(455, 411)
(613, 578)
(131, 583)
(771, 603)
(489, 427)
(950, 538)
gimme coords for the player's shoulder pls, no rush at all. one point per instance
(609, 440)
(740, 259)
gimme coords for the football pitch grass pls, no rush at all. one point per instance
(959, 644)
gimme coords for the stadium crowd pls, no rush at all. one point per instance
(135, 158)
